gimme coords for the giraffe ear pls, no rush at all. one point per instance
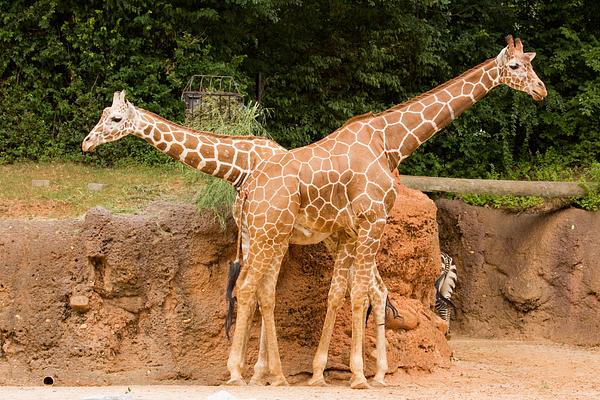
(531, 56)
(130, 109)
(502, 57)
(122, 95)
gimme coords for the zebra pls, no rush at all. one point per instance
(444, 286)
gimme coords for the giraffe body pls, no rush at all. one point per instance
(342, 185)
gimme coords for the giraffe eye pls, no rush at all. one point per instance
(117, 118)
(514, 66)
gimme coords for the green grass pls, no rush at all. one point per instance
(130, 188)
(588, 177)
(217, 195)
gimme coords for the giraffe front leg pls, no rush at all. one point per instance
(335, 299)
(369, 235)
(266, 299)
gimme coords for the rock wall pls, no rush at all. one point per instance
(527, 275)
(115, 299)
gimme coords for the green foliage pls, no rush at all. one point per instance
(216, 194)
(323, 62)
(514, 203)
(62, 60)
(550, 167)
(590, 181)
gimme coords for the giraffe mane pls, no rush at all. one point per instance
(412, 100)
(206, 133)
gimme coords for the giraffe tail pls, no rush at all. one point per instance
(234, 272)
(388, 304)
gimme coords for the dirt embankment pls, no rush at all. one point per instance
(527, 275)
(111, 299)
(140, 299)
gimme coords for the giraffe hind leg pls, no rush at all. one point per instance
(379, 297)
(261, 368)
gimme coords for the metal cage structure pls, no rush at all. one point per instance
(204, 92)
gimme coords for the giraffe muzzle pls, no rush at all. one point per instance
(89, 144)
(538, 91)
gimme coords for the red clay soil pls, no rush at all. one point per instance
(527, 275)
(141, 299)
(113, 299)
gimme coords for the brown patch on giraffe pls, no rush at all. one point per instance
(161, 126)
(148, 130)
(468, 88)
(157, 136)
(460, 103)
(319, 152)
(208, 152)
(415, 107)
(175, 150)
(192, 159)
(225, 152)
(242, 146)
(442, 96)
(410, 143)
(167, 137)
(210, 167)
(423, 132)
(161, 146)
(242, 159)
(378, 123)
(411, 119)
(191, 142)
(432, 111)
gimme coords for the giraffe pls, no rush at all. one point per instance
(231, 158)
(341, 188)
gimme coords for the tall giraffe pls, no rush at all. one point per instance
(231, 158)
(342, 185)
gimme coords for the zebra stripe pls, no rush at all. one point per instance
(444, 286)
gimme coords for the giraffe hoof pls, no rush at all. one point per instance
(318, 382)
(378, 383)
(236, 382)
(258, 381)
(360, 383)
(281, 381)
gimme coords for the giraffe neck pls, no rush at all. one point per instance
(230, 158)
(410, 124)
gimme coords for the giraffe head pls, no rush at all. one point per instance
(116, 122)
(516, 70)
